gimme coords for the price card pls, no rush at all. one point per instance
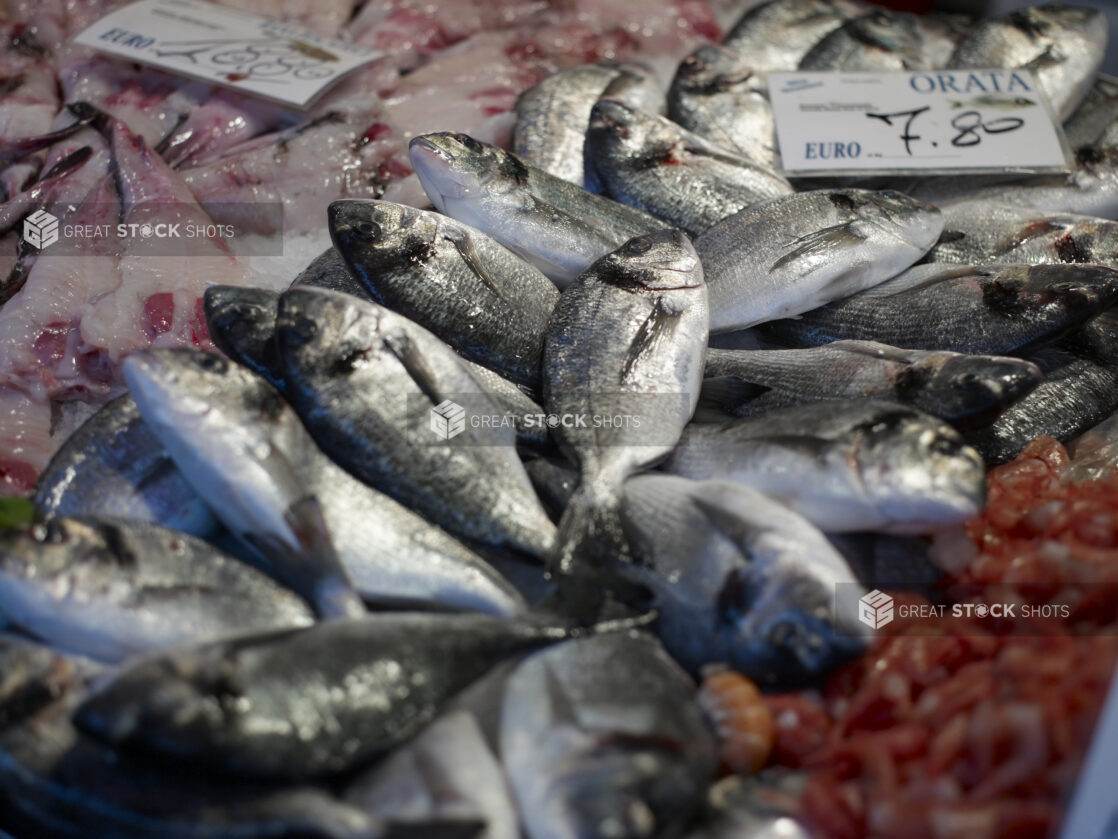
(915, 122)
(267, 58)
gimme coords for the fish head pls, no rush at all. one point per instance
(712, 69)
(372, 233)
(625, 131)
(661, 261)
(913, 467)
(242, 321)
(454, 166)
(323, 334)
(779, 615)
(179, 388)
(181, 704)
(969, 390)
(887, 31)
(917, 223)
(1079, 290)
(58, 550)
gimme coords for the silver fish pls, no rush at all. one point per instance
(473, 293)
(1090, 189)
(883, 41)
(248, 471)
(993, 100)
(551, 118)
(626, 340)
(845, 466)
(1080, 389)
(795, 253)
(114, 589)
(1062, 45)
(242, 323)
(966, 390)
(1000, 309)
(61, 784)
(555, 225)
(991, 232)
(650, 162)
(737, 578)
(448, 772)
(638, 87)
(717, 94)
(366, 382)
(603, 737)
(390, 554)
(114, 466)
(776, 35)
(306, 702)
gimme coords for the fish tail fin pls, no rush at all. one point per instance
(590, 539)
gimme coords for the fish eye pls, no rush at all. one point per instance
(468, 141)
(892, 195)
(966, 380)
(639, 245)
(49, 532)
(368, 229)
(212, 362)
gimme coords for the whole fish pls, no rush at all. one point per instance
(626, 341)
(114, 466)
(555, 225)
(796, 253)
(551, 118)
(717, 94)
(972, 309)
(242, 323)
(965, 390)
(777, 34)
(306, 702)
(845, 466)
(1080, 390)
(991, 232)
(329, 270)
(113, 589)
(249, 473)
(993, 100)
(883, 41)
(367, 381)
(473, 293)
(1095, 121)
(603, 737)
(650, 162)
(61, 784)
(448, 772)
(1090, 189)
(737, 578)
(1062, 45)
(388, 553)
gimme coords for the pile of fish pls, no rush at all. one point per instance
(436, 538)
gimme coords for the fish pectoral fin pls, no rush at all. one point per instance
(420, 371)
(465, 247)
(305, 519)
(729, 393)
(821, 242)
(657, 329)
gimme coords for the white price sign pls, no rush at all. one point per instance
(267, 58)
(920, 122)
